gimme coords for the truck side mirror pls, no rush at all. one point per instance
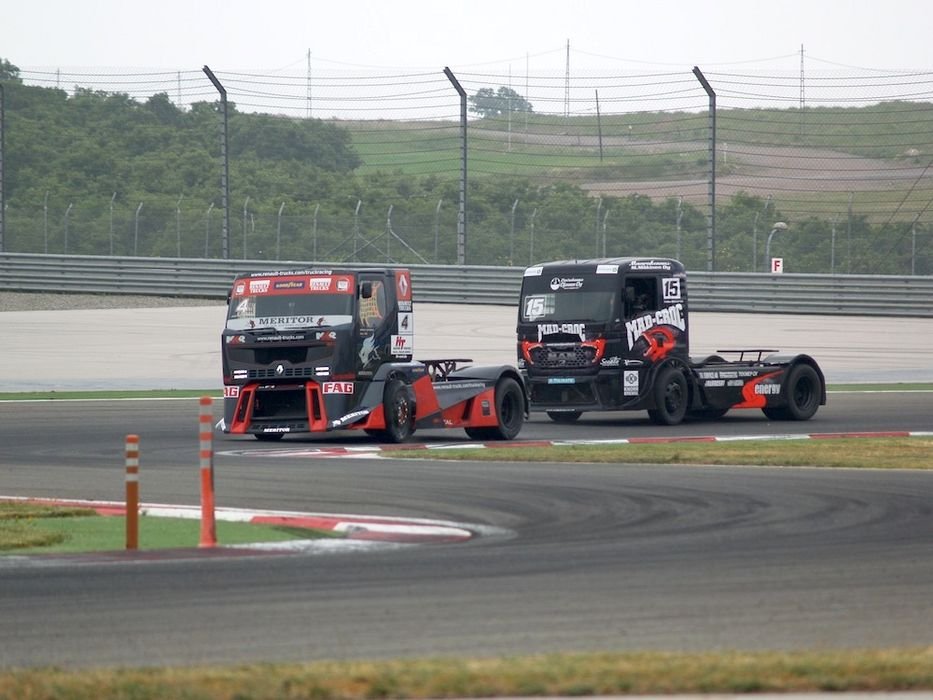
(366, 290)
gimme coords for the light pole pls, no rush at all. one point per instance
(278, 231)
(178, 226)
(512, 236)
(136, 229)
(67, 214)
(437, 214)
(207, 232)
(778, 226)
(245, 213)
(112, 199)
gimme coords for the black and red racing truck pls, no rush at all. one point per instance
(614, 335)
(308, 351)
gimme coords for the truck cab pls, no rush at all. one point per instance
(590, 332)
(297, 344)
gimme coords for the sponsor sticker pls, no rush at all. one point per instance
(534, 271)
(320, 284)
(768, 389)
(566, 283)
(258, 286)
(670, 316)
(402, 344)
(561, 380)
(614, 361)
(338, 387)
(350, 418)
(231, 392)
(607, 269)
(288, 284)
(578, 329)
(440, 386)
(651, 264)
(630, 383)
(281, 338)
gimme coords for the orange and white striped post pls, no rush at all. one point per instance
(132, 491)
(206, 439)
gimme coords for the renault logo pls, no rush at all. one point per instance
(280, 370)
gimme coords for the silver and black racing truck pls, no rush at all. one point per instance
(614, 335)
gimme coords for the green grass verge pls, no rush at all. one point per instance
(27, 528)
(871, 453)
(642, 673)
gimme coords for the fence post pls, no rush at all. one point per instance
(132, 491)
(206, 438)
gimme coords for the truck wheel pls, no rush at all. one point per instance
(510, 413)
(564, 416)
(670, 396)
(399, 412)
(802, 390)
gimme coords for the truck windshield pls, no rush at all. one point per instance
(289, 311)
(597, 306)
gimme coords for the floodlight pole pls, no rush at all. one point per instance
(711, 218)
(225, 167)
(461, 214)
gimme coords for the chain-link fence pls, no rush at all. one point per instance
(828, 168)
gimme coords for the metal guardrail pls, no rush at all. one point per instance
(717, 291)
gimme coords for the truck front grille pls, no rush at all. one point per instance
(286, 373)
(563, 356)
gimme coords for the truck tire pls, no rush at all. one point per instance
(510, 413)
(399, 407)
(802, 391)
(670, 397)
(564, 416)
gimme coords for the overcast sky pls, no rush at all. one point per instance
(466, 35)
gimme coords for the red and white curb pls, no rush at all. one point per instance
(382, 451)
(365, 528)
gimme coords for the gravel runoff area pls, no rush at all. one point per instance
(44, 301)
